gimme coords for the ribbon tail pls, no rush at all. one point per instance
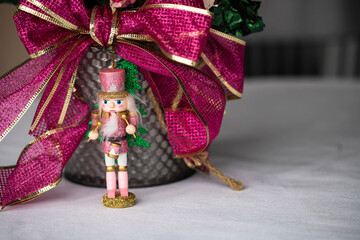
(39, 167)
(224, 60)
(50, 114)
(62, 126)
(17, 96)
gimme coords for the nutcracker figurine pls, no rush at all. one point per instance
(116, 117)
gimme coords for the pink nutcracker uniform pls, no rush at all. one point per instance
(119, 137)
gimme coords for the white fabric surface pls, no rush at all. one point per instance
(294, 144)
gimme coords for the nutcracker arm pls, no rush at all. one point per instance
(95, 116)
(95, 128)
(95, 123)
(124, 117)
(133, 119)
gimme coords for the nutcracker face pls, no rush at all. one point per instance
(113, 104)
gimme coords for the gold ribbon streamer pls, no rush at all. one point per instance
(67, 99)
(146, 38)
(114, 30)
(180, 7)
(220, 77)
(137, 37)
(38, 117)
(48, 49)
(229, 37)
(208, 62)
(92, 26)
(177, 98)
(19, 116)
(47, 101)
(63, 22)
(39, 15)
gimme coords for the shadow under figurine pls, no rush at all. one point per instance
(116, 117)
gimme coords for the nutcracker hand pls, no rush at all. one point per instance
(130, 129)
(93, 135)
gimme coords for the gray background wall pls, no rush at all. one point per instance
(12, 52)
(308, 37)
(291, 19)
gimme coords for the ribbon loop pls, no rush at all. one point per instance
(103, 24)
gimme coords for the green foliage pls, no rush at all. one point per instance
(142, 130)
(131, 81)
(139, 141)
(142, 112)
(87, 132)
(131, 85)
(237, 17)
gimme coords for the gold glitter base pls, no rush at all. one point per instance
(118, 201)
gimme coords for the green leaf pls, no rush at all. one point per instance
(142, 130)
(137, 86)
(130, 79)
(142, 112)
(237, 17)
(130, 86)
(140, 142)
(131, 91)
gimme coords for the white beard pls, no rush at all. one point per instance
(109, 128)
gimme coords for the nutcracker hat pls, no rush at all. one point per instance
(112, 82)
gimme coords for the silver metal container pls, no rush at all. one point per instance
(146, 166)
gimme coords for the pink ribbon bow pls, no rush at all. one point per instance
(192, 74)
